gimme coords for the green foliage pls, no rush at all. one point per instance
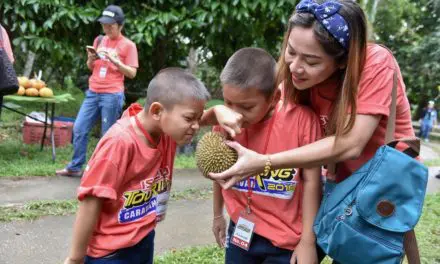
(164, 31)
(410, 28)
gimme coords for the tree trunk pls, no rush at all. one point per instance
(192, 60)
(30, 59)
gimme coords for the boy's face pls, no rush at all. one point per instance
(250, 102)
(181, 122)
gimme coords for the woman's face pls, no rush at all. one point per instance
(112, 30)
(307, 61)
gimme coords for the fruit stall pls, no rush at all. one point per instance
(47, 131)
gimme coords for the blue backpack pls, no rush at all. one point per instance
(364, 218)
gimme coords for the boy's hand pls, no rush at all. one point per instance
(219, 230)
(305, 253)
(71, 261)
(228, 119)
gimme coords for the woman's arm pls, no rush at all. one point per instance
(321, 152)
(86, 219)
(128, 71)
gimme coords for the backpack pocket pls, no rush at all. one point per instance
(392, 194)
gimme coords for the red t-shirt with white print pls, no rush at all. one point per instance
(374, 98)
(130, 176)
(277, 196)
(106, 78)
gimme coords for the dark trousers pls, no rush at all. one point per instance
(260, 251)
(141, 253)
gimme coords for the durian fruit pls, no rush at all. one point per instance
(213, 155)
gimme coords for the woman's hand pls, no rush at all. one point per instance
(305, 253)
(91, 57)
(112, 58)
(249, 163)
(228, 119)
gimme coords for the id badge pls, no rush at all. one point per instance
(102, 72)
(162, 204)
(243, 232)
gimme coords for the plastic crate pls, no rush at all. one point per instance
(33, 132)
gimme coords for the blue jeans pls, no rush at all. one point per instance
(141, 253)
(261, 250)
(425, 129)
(108, 106)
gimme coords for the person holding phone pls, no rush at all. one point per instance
(111, 58)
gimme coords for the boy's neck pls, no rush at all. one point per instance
(150, 126)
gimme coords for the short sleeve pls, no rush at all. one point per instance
(131, 58)
(105, 171)
(374, 95)
(6, 44)
(311, 128)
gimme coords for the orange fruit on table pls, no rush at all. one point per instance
(46, 92)
(41, 84)
(33, 83)
(21, 90)
(31, 92)
(24, 81)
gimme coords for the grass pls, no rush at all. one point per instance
(20, 160)
(185, 162)
(194, 255)
(33, 210)
(36, 209)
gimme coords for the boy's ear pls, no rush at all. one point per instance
(156, 109)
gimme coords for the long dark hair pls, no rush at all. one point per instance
(354, 60)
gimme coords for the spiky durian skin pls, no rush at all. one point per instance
(213, 155)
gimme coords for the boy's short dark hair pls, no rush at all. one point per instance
(250, 68)
(172, 86)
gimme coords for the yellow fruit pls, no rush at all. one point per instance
(213, 155)
(31, 92)
(21, 90)
(24, 81)
(46, 92)
(39, 84)
(33, 83)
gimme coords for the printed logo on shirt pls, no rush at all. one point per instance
(142, 202)
(279, 183)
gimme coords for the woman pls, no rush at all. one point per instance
(327, 63)
(115, 58)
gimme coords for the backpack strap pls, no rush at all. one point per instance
(100, 37)
(391, 124)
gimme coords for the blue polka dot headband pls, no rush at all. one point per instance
(327, 15)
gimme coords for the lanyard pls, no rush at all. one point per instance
(266, 144)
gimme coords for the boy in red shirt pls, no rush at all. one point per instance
(272, 213)
(125, 186)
